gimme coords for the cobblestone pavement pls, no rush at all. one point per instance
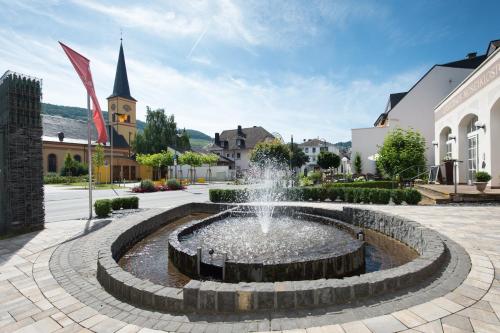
(32, 299)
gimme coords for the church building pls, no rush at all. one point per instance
(64, 135)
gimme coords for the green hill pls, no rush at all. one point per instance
(196, 138)
(344, 145)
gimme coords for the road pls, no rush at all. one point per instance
(67, 203)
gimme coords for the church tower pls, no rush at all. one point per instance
(121, 106)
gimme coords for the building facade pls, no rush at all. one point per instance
(312, 148)
(467, 122)
(413, 109)
(236, 145)
(63, 135)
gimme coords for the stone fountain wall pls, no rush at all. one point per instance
(215, 297)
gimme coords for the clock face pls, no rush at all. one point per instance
(126, 107)
(113, 106)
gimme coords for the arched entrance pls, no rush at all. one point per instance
(445, 147)
(468, 148)
(494, 129)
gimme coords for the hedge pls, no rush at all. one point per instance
(345, 194)
(103, 207)
(53, 178)
(365, 184)
(125, 203)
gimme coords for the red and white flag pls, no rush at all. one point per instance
(82, 67)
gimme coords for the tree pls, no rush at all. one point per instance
(358, 164)
(158, 160)
(193, 160)
(210, 160)
(298, 157)
(159, 133)
(98, 159)
(402, 153)
(328, 160)
(182, 142)
(274, 151)
(73, 168)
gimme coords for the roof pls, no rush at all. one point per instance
(395, 98)
(494, 44)
(121, 87)
(75, 131)
(250, 135)
(470, 63)
(315, 143)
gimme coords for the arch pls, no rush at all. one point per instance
(77, 158)
(468, 147)
(445, 149)
(494, 130)
(52, 163)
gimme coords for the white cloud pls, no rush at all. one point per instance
(244, 23)
(179, 19)
(303, 106)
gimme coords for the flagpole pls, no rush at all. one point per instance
(90, 156)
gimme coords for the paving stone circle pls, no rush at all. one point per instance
(74, 266)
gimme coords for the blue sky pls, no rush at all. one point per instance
(307, 68)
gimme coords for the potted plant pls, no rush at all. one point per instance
(482, 179)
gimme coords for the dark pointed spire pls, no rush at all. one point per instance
(121, 88)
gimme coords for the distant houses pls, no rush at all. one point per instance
(235, 146)
(312, 148)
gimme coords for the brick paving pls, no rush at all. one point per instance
(36, 299)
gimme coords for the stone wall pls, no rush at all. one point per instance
(21, 169)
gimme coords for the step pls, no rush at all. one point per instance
(436, 197)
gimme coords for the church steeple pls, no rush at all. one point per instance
(122, 106)
(121, 88)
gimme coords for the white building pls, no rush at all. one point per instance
(413, 109)
(236, 145)
(313, 147)
(467, 121)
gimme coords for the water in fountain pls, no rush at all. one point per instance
(267, 181)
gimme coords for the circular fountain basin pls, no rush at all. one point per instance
(295, 246)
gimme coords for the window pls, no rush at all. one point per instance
(52, 163)
(306, 150)
(314, 150)
(448, 151)
(323, 148)
(227, 155)
(78, 158)
(471, 127)
(238, 155)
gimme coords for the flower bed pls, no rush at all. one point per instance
(148, 186)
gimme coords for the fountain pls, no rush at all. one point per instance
(265, 242)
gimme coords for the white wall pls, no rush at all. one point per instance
(483, 102)
(219, 173)
(415, 110)
(364, 142)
